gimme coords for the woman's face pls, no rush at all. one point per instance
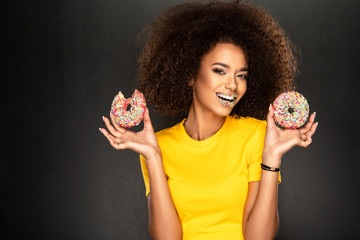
(221, 81)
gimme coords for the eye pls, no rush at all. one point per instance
(243, 76)
(218, 71)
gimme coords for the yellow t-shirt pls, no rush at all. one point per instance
(208, 180)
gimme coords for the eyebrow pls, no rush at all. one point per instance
(227, 66)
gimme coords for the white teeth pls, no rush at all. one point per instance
(230, 98)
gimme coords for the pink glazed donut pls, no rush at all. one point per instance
(291, 110)
(128, 118)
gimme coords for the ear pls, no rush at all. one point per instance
(191, 83)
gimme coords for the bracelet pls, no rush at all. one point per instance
(267, 168)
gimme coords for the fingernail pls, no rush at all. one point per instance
(103, 118)
(100, 129)
(314, 114)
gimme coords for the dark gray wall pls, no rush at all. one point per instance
(61, 65)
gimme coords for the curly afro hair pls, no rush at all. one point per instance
(176, 41)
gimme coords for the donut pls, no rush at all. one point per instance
(291, 110)
(133, 116)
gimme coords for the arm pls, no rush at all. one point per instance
(164, 222)
(261, 219)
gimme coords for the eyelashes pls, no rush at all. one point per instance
(218, 71)
(243, 76)
(221, 72)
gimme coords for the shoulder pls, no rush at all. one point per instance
(248, 124)
(168, 133)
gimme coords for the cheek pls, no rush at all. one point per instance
(204, 83)
(242, 87)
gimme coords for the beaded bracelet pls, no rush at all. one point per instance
(267, 168)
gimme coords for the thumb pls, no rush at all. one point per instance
(270, 117)
(147, 121)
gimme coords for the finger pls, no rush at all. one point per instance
(122, 139)
(111, 129)
(270, 117)
(308, 137)
(117, 146)
(305, 143)
(105, 133)
(115, 139)
(116, 125)
(303, 137)
(308, 125)
(147, 120)
(114, 142)
(313, 129)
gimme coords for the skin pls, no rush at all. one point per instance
(222, 70)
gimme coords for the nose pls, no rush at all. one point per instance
(230, 83)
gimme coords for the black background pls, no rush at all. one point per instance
(61, 65)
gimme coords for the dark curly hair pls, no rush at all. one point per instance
(176, 41)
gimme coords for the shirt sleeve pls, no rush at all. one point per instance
(256, 145)
(145, 174)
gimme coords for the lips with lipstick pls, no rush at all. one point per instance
(227, 99)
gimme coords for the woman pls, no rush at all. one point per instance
(222, 64)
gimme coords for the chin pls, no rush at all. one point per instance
(224, 112)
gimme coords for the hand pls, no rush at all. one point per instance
(279, 141)
(143, 142)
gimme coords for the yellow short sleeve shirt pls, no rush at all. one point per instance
(208, 180)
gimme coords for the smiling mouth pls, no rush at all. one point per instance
(227, 99)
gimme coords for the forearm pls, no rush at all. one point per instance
(262, 214)
(164, 222)
(263, 220)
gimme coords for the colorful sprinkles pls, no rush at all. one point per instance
(291, 110)
(136, 113)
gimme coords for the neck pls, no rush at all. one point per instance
(200, 126)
